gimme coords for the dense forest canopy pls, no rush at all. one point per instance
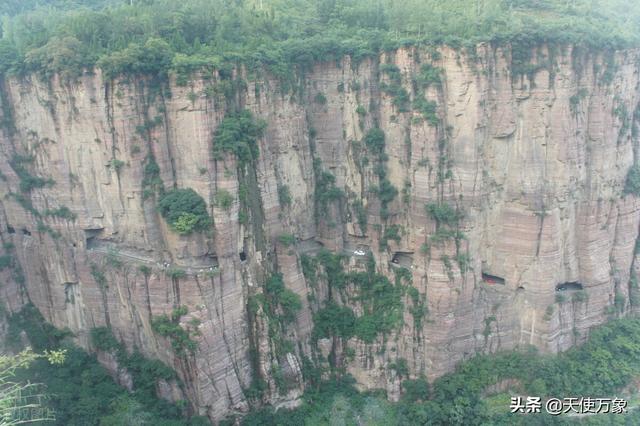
(14, 7)
(151, 36)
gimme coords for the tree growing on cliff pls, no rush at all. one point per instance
(444, 214)
(277, 295)
(184, 210)
(224, 199)
(334, 320)
(632, 184)
(374, 140)
(238, 134)
(182, 340)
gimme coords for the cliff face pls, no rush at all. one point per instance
(533, 165)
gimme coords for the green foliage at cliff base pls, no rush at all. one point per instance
(80, 391)
(603, 366)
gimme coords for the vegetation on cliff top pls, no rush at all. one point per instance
(155, 36)
(14, 7)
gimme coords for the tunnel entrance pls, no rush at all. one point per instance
(243, 256)
(309, 246)
(569, 286)
(402, 259)
(492, 279)
(90, 243)
(90, 237)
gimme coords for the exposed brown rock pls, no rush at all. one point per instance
(538, 172)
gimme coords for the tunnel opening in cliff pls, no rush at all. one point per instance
(569, 286)
(492, 279)
(403, 259)
(90, 235)
(309, 246)
(11, 229)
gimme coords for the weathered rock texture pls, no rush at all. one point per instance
(536, 162)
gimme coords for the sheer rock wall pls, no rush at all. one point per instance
(536, 162)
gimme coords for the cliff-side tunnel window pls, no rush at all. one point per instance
(11, 230)
(574, 285)
(243, 256)
(90, 237)
(492, 279)
(403, 259)
(25, 231)
(91, 243)
(309, 246)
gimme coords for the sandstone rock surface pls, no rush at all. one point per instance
(537, 164)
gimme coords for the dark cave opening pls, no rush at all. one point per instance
(574, 285)
(402, 259)
(492, 279)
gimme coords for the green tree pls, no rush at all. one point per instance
(155, 37)
(632, 184)
(185, 223)
(184, 210)
(126, 411)
(152, 57)
(238, 133)
(334, 320)
(63, 55)
(277, 295)
(23, 402)
(224, 199)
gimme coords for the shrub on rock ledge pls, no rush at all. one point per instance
(184, 210)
